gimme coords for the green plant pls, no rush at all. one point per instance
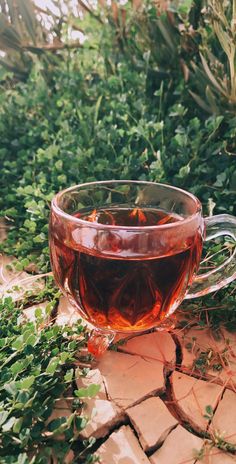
(37, 363)
(27, 38)
(215, 75)
(105, 132)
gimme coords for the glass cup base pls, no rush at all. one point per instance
(168, 324)
(99, 341)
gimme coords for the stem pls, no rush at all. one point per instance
(232, 73)
(232, 60)
(234, 16)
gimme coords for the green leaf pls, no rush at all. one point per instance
(18, 424)
(17, 367)
(12, 212)
(52, 366)
(88, 392)
(220, 179)
(210, 75)
(200, 102)
(80, 422)
(26, 383)
(223, 37)
(22, 458)
(18, 343)
(64, 356)
(184, 171)
(209, 409)
(9, 424)
(31, 340)
(166, 34)
(69, 375)
(97, 106)
(3, 416)
(11, 388)
(212, 100)
(29, 190)
(185, 6)
(38, 313)
(56, 425)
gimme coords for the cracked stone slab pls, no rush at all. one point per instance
(196, 340)
(93, 376)
(152, 422)
(103, 415)
(191, 396)
(14, 283)
(224, 419)
(66, 313)
(122, 447)
(218, 351)
(155, 345)
(180, 447)
(130, 378)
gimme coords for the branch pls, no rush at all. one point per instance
(91, 12)
(53, 47)
(46, 12)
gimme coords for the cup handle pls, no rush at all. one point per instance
(222, 224)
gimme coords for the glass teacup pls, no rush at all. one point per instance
(126, 253)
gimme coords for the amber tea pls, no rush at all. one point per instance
(125, 293)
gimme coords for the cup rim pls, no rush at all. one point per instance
(96, 225)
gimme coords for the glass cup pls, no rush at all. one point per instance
(126, 253)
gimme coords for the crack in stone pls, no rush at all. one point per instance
(25, 304)
(135, 433)
(205, 378)
(214, 410)
(178, 350)
(149, 359)
(166, 394)
(153, 393)
(175, 410)
(105, 388)
(54, 312)
(100, 441)
(168, 398)
(154, 448)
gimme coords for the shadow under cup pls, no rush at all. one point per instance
(124, 277)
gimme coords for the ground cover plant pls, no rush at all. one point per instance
(39, 367)
(149, 95)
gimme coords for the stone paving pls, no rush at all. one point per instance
(157, 404)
